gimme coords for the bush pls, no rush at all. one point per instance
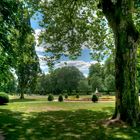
(4, 98)
(94, 98)
(50, 97)
(66, 96)
(77, 95)
(60, 98)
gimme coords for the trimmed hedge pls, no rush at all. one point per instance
(4, 98)
(94, 98)
(66, 96)
(50, 97)
(77, 96)
(60, 98)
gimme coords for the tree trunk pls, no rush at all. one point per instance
(21, 89)
(127, 103)
(119, 17)
(21, 80)
(21, 95)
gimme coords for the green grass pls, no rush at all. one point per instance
(36, 119)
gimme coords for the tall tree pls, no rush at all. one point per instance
(119, 16)
(46, 84)
(96, 76)
(96, 69)
(66, 79)
(26, 64)
(72, 24)
(17, 41)
(8, 18)
(61, 79)
(84, 87)
(109, 74)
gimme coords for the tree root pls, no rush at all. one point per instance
(113, 121)
(116, 121)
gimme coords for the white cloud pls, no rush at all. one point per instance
(44, 69)
(40, 51)
(36, 34)
(39, 48)
(76, 63)
(80, 64)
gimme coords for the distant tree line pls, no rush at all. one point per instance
(70, 80)
(102, 76)
(65, 79)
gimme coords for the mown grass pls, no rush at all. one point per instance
(37, 119)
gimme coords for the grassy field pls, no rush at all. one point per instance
(36, 119)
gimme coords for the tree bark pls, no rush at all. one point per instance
(21, 95)
(21, 88)
(22, 80)
(119, 16)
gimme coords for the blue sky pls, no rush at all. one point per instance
(82, 63)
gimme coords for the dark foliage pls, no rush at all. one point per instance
(77, 95)
(50, 97)
(4, 98)
(66, 96)
(94, 98)
(60, 98)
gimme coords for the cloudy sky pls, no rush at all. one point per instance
(82, 63)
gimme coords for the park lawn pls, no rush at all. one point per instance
(37, 119)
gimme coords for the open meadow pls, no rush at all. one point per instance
(34, 118)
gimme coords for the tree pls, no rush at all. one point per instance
(17, 41)
(84, 87)
(8, 83)
(44, 84)
(80, 23)
(109, 74)
(67, 78)
(103, 76)
(109, 66)
(96, 76)
(119, 16)
(110, 83)
(8, 15)
(27, 66)
(26, 62)
(60, 80)
(96, 69)
(97, 83)
(7, 78)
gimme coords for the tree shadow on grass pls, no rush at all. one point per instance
(22, 100)
(63, 125)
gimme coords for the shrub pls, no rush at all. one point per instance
(77, 95)
(94, 98)
(66, 96)
(4, 98)
(50, 97)
(60, 98)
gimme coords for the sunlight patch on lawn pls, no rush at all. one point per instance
(121, 135)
